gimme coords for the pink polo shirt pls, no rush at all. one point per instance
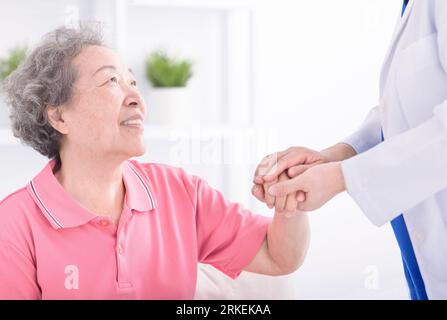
(53, 248)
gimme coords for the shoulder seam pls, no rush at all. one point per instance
(169, 167)
(12, 194)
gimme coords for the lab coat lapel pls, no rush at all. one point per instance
(393, 45)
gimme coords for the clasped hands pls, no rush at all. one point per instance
(297, 179)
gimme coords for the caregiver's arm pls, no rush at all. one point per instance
(377, 186)
(395, 175)
(296, 160)
(378, 180)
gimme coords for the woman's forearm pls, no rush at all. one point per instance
(288, 240)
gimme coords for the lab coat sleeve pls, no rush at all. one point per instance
(408, 168)
(368, 135)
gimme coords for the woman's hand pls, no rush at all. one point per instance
(287, 203)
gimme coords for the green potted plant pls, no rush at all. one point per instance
(169, 96)
(7, 65)
(12, 61)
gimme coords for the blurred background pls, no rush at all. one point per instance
(254, 77)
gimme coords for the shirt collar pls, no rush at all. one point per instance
(62, 211)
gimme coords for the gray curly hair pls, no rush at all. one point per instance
(46, 77)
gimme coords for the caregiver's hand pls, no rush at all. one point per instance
(294, 161)
(319, 183)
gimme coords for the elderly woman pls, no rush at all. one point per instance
(94, 224)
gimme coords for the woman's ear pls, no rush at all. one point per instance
(56, 119)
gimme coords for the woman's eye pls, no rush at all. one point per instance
(113, 79)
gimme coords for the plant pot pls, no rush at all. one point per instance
(170, 106)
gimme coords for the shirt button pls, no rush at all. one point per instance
(104, 222)
(120, 249)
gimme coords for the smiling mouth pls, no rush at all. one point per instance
(136, 122)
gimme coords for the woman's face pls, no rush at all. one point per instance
(105, 116)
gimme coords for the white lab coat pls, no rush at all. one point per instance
(407, 173)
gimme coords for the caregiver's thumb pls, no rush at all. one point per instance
(283, 188)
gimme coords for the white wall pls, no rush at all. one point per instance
(317, 73)
(192, 35)
(24, 22)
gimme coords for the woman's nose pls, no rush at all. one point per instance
(135, 101)
(133, 97)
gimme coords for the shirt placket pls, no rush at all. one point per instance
(121, 251)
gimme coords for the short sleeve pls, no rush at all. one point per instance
(17, 274)
(228, 235)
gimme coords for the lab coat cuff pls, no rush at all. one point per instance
(357, 191)
(356, 142)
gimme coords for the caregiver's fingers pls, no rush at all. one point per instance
(299, 169)
(258, 192)
(283, 188)
(293, 156)
(281, 165)
(280, 202)
(265, 166)
(269, 199)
